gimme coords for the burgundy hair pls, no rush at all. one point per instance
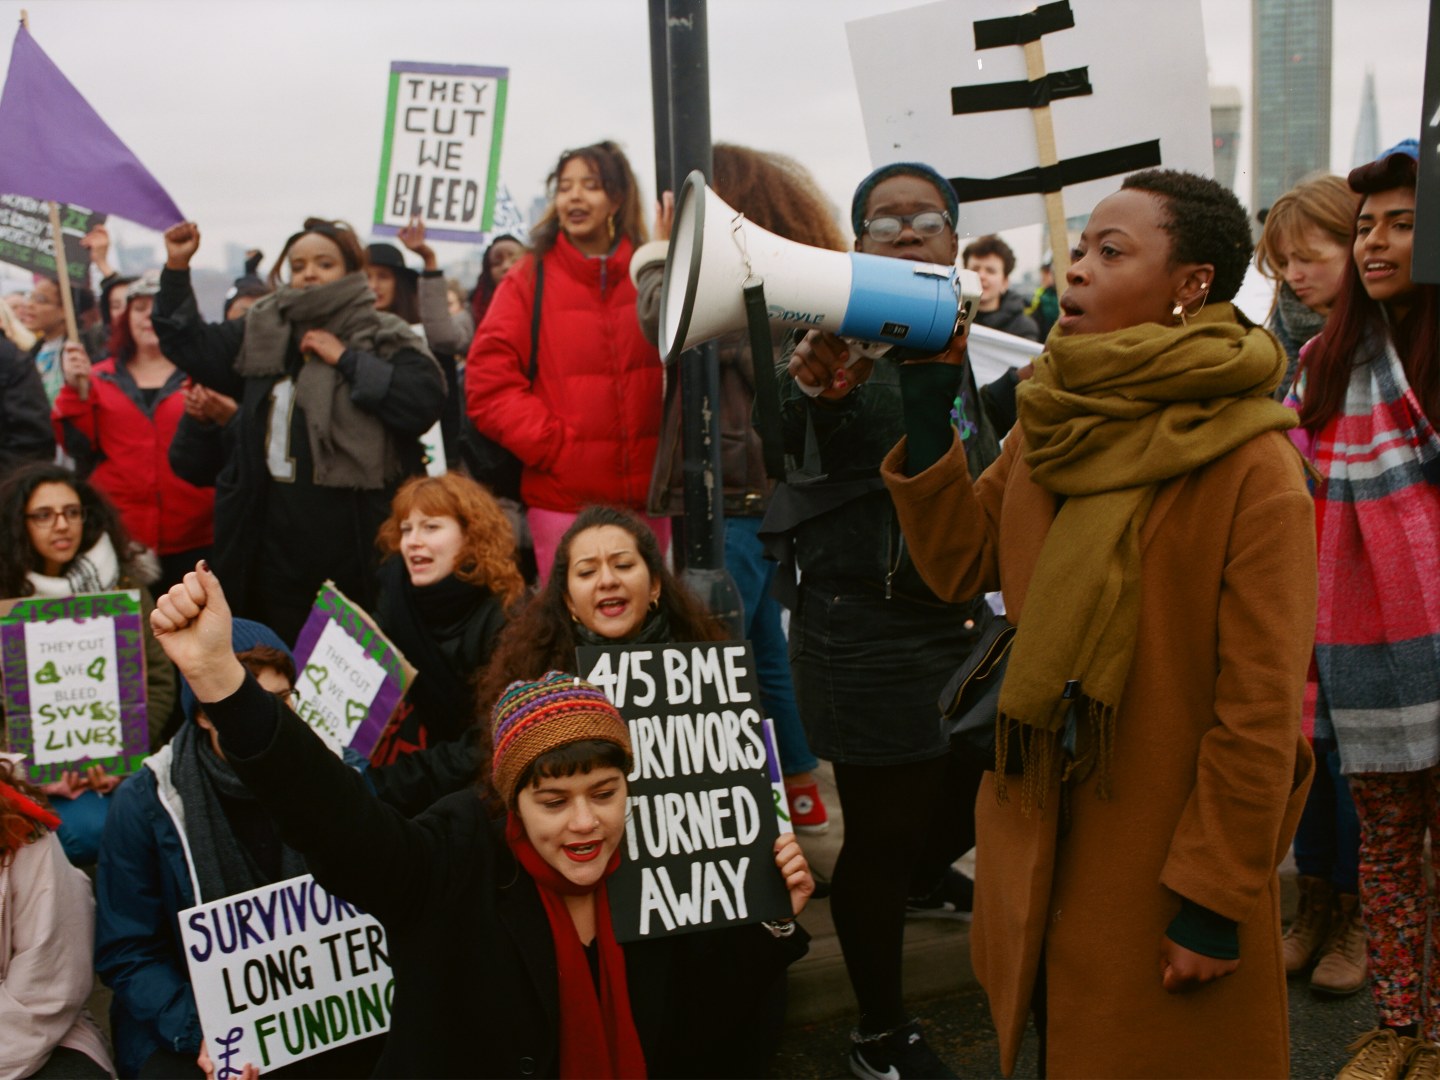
(1329, 361)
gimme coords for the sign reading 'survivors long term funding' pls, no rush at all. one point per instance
(74, 675)
(284, 972)
(701, 821)
(351, 676)
(441, 157)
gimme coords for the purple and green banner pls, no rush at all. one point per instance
(74, 682)
(351, 676)
(440, 160)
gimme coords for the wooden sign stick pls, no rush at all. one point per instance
(62, 280)
(1045, 141)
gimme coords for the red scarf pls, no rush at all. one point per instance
(597, 1032)
(18, 833)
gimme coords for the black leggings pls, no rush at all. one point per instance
(898, 818)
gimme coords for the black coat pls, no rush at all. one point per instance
(469, 941)
(341, 525)
(25, 431)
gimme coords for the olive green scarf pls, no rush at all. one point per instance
(1107, 419)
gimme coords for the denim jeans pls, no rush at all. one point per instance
(1327, 841)
(753, 573)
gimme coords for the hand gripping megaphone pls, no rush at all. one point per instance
(715, 252)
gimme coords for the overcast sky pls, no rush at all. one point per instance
(255, 114)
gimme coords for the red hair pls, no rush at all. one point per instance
(1328, 363)
(24, 816)
(487, 554)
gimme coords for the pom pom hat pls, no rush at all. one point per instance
(533, 718)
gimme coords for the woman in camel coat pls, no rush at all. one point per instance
(1127, 891)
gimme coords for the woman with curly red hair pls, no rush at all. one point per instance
(448, 578)
(47, 918)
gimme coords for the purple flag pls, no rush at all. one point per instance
(58, 148)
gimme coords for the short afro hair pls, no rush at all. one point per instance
(1206, 224)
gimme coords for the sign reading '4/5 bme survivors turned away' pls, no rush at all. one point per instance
(703, 813)
(74, 675)
(441, 158)
(351, 676)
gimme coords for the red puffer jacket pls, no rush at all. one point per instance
(586, 432)
(130, 450)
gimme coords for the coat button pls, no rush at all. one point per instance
(527, 1066)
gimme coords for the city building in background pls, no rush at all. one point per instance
(1291, 42)
(1225, 127)
(1367, 128)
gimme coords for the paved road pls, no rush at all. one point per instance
(958, 1029)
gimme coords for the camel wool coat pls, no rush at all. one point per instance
(1209, 768)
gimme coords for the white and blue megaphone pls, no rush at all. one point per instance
(879, 302)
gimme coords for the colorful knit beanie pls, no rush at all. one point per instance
(533, 718)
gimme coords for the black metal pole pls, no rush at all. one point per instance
(660, 97)
(704, 501)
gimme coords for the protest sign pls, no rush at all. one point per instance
(351, 675)
(441, 157)
(74, 680)
(25, 239)
(955, 84)
(702, 815)
(284, 972)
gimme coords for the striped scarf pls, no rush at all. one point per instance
(1377, 517)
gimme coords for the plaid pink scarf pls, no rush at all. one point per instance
(1376, 676)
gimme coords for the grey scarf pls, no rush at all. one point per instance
(223, 866)
(352, 448)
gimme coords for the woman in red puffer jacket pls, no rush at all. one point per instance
(586, 427)
(120, 438)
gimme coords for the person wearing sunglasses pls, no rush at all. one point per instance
(871, 645)
(62, 537)
(185, 831)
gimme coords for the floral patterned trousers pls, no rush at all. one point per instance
(1396, 811)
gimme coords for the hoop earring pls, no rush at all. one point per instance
(655, 604)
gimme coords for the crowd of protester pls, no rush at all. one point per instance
(1157, 508)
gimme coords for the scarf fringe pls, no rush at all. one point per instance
(1043, 755)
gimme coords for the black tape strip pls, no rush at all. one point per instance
(1021, 94)
(1076, 170)
(1019, 29)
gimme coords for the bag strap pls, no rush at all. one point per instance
(535, 317)
(767, 395)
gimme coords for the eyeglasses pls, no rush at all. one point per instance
(287, 697)
(45, 518)
(926, 223)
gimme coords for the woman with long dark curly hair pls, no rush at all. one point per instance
(47, 919)
(609, 585)
(1369, 408)
(447, 581)
(59, 537)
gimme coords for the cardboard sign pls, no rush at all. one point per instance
(441, 156)
(351, 675)
(284, 972)
(74, 681)
(939, 85)
(25, 238)
(702, 817)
